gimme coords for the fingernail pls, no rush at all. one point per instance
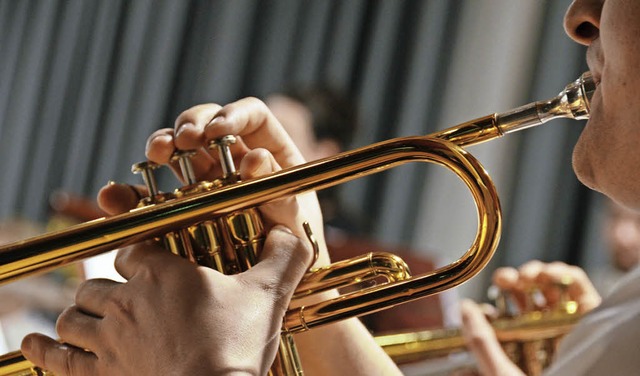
(183, 127)
(217, 120)
(166, 137)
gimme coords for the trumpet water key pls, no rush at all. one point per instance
(199, 208)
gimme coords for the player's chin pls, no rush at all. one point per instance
(582, 166)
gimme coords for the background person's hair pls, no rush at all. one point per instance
(333, 113)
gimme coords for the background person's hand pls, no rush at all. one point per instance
(481, 340)
(546, 278)
(550, 279)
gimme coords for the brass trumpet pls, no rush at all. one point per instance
(529, 338)
(191, 213)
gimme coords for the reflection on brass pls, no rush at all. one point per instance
(530, 338)
(204, 211)
(14, 364)
(539, 330)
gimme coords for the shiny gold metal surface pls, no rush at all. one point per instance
(14, 364)
(414, 346)
(174, 214)
(529, 338)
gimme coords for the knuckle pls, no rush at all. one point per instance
(46, 357)
(558, 264)
(80, 292)
(121, 308)
(40, 355)
(557, 268)
(255, 102)
(530, 266)
(69, 361)
(505, 277)
(478, 339)
(62, 324)
(84, 290)
(200, 111)
(579, 274)
(124, 256)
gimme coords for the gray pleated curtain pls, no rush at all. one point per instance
(84, 82)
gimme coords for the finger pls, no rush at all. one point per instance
(558, 276)
(507, 280)
(290, 212)
(58, 358)
(260, 162)
(529, 272)
(143, 257)
(552, 280)
(161, 149)
(160, 146)
(116, 198)
(251, 119)
(78, 328)
(190, 135)
(74, 206)
(92, 295)
(204, 167)
(284, 260)
(190, 124)
(482, 341)
(237, 149)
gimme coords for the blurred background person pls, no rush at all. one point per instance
(621, 243)
(622, 232)
(322, 122)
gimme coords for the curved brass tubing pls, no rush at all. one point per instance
(444, 148)
(352, 271)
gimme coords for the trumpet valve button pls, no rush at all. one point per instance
(145, 169)
(183, 157)
(226, 159)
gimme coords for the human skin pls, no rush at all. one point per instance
(606, 155)
(342, 348)
(173, 317)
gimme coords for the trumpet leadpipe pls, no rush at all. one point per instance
(410, 347)
(50, 251)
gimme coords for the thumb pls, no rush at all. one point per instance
(284, 260)
(116, 198)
